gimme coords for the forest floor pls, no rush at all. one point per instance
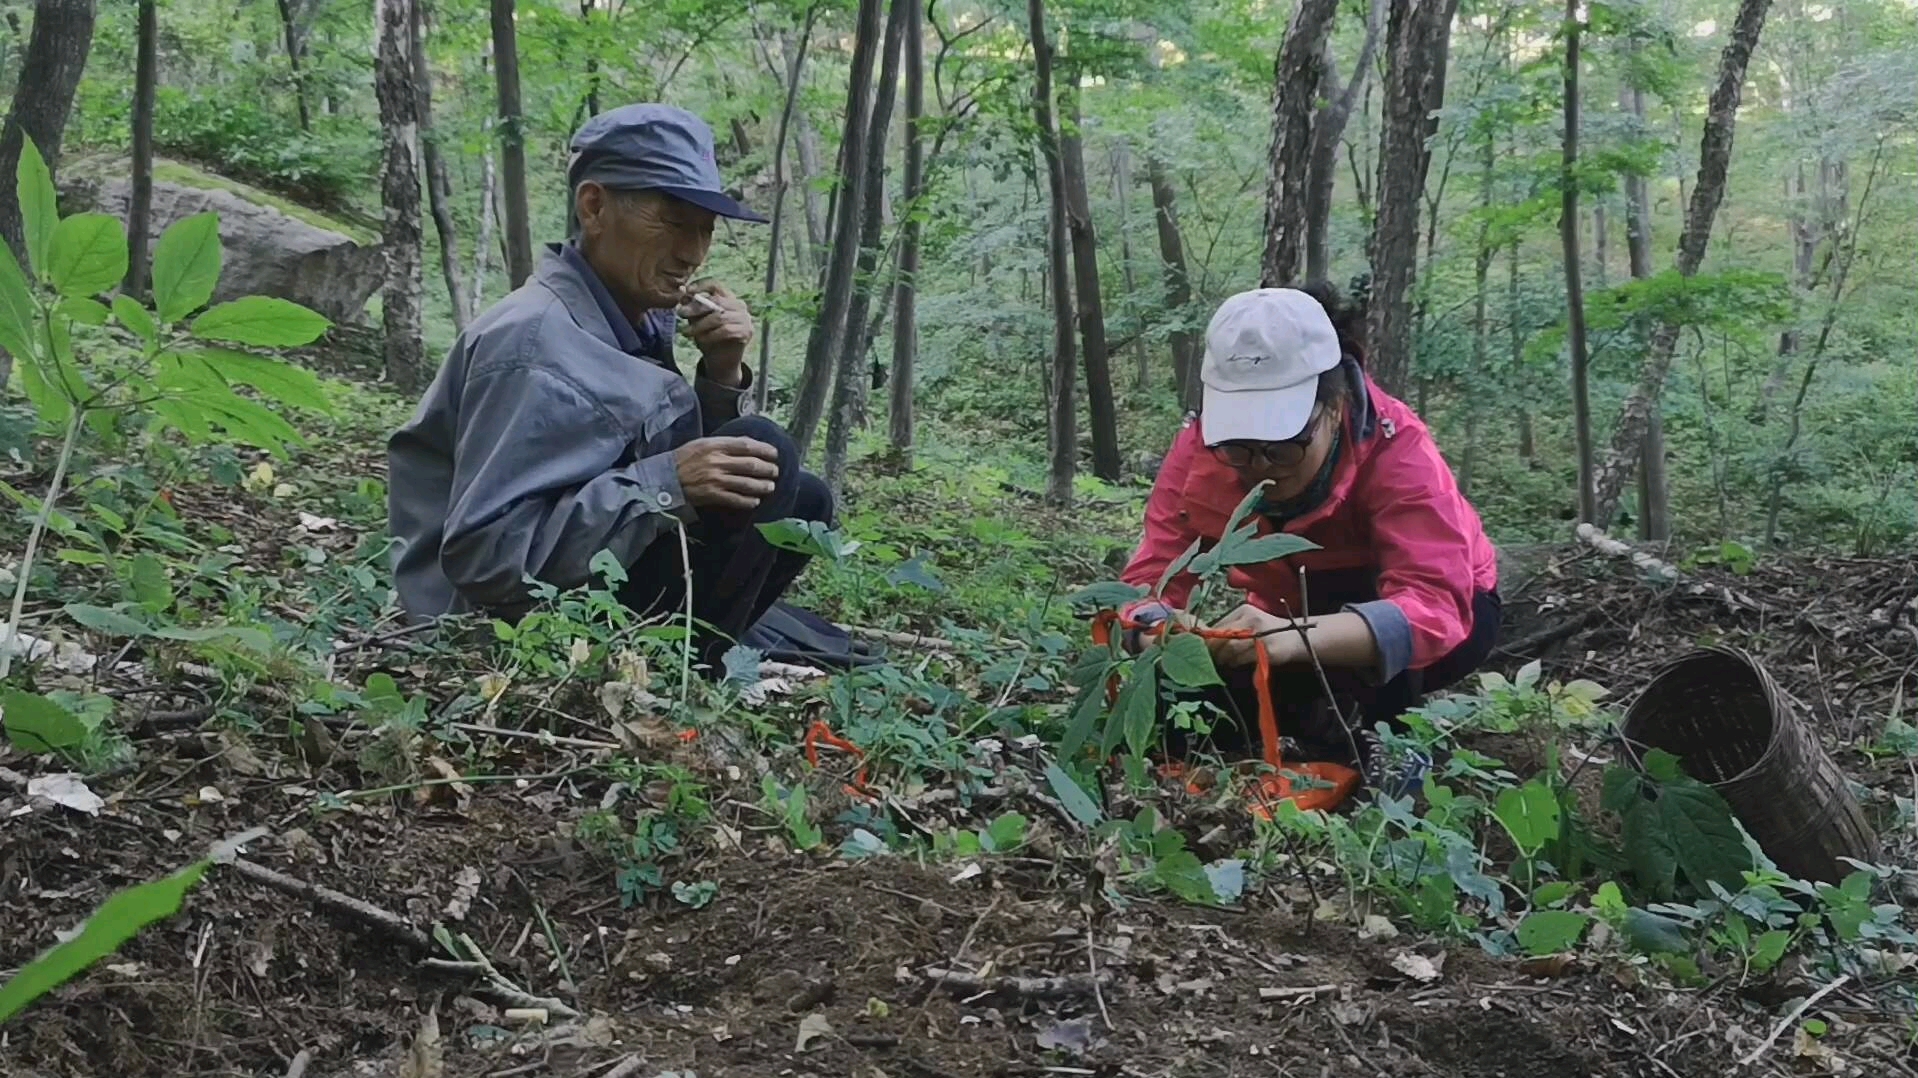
(777, 951)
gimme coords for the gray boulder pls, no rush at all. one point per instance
(271, 248)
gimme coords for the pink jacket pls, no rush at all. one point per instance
(1394, 510)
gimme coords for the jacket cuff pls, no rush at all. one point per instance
(719, 402)
(1391, 631)
(657, 480)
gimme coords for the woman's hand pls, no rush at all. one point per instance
(1245, 652)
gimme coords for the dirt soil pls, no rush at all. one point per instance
(813, 965)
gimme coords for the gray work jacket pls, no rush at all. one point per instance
(539, 444)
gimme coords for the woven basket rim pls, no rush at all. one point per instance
(1640, 713)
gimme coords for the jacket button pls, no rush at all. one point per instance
(665, 499)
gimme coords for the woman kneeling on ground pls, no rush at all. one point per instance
(1401, 597)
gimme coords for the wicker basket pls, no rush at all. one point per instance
(1720, 713)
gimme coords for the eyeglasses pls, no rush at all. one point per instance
(1285, 454)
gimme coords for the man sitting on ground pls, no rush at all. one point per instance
(560, 425)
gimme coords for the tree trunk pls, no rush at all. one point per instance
(1417, 40)
(763, 383)
(592, 63)
(50, 73)
(1091, 308)
(808, 143)
(1328, 130)
(1186, 351)
(1601, 247)
(1654, 489)
(400, 194)
(294, 37)
(1515, 353)
(489, 220)
(146, 81)
(1481, 274)
(1296, 76)
(519, 228)
(850, 371)
(1714, 159)
(439, 180)
(1064, 425)
(1121, 180)
(905, 319)
(1568, 230)
(828, 336)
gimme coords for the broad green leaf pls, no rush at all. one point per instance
(184, 418)
(85, 310)
(137, 319)
(245, 421)
(1546, 932)
(147, 578)
(916, 572)
(17, 309)
(52, 405)
(293, 386)
(36, 724)
(1178, 565)
(1086, 710)
(261, 321)
(1552, 894)
(250, 638)
(1529, 814)
(1105, 595)
(89, 255)
(1136, 713)
(186, 265)
(1072, 796)
(1188, 662)
(1674, 825)
(115, 922)
(1769, 948)
(1266, 548)
(1184, 875)
(1652, 933)
(1528, 674)
(107, 620)
(1006, 833)
(39, 204)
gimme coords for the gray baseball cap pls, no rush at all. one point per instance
(652, 147)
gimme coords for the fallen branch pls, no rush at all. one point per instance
(333, 901)
(1287, 995)
(1791, 1019)
(1591, 535)
(1022, 987)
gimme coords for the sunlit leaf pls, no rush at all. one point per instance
(285, 383)
(1105, 595)
(1548, 932)
(17, 310)
(147, 578)
(1529, 813)
(1073, 797)
(1138, 706)
(1006, 833)
(107, 620)
(1188, 662)
(262, 322)
(186, 265)
(39, 204)
(36, 724)
(88, 255)
(85, 310)
(137, 319)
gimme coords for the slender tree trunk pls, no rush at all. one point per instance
(1714, 160)
(816, 217)
(592, 63)
(1654, 489)
(1481, 274)
(146, 80)
(850, 371)
(399, 193)
(519, 228)
(1568, 230)
(1328, 131)
(1297, 74)
(828, 337)
(50, 73)
(1121, 181)
(1091, 308)
(489, 220)
(295, 38)
(763, 383)
(1418, 36)
(439, 179)
(905, 319)
(1515, 354)
(1064, 425)
(1186, 351)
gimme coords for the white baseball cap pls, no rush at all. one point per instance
(1264, 352)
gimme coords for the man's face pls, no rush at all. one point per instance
(644, 245)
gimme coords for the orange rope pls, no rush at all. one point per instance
(820, 732)
(1273, 787)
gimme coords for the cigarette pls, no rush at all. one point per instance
(706, 301)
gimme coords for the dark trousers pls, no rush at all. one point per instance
(1305, 719)
(736, 574)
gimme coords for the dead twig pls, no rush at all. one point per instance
(392, 924)
(1092, 965)
(297, 1069)
(1022, 987)
(1792, 1019)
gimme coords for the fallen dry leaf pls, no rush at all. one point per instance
(66, 789)
(1074, 1038)
(811, 1028)
(317, 524)
(1377, 928)
(1418, 967)
(465, 889)
(425, 1059)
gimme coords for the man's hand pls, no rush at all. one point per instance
(720, 327)
(1248, 619)
(726, 473)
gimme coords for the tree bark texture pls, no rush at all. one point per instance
(794, 66)
(905, 319)
(1714, 159)
(399, 193)
(1654, 488)
(1186, 346)
(1328, 129)
(512, 143)
(828, 336)
(850, 370)
(1100, 406)
(1568, 232)
(294, 37)
(1417, 39)
(1481, 275)
(489, 219)
(439, 179)
(1297, 73)
(146, 81)
(1121, 182)
(1063, 427)
(816, 225)
(50, 73)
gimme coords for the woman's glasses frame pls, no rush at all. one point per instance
(1285, 454)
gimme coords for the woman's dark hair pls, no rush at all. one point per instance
(1348, 321)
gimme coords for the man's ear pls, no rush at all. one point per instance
(591, 203)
